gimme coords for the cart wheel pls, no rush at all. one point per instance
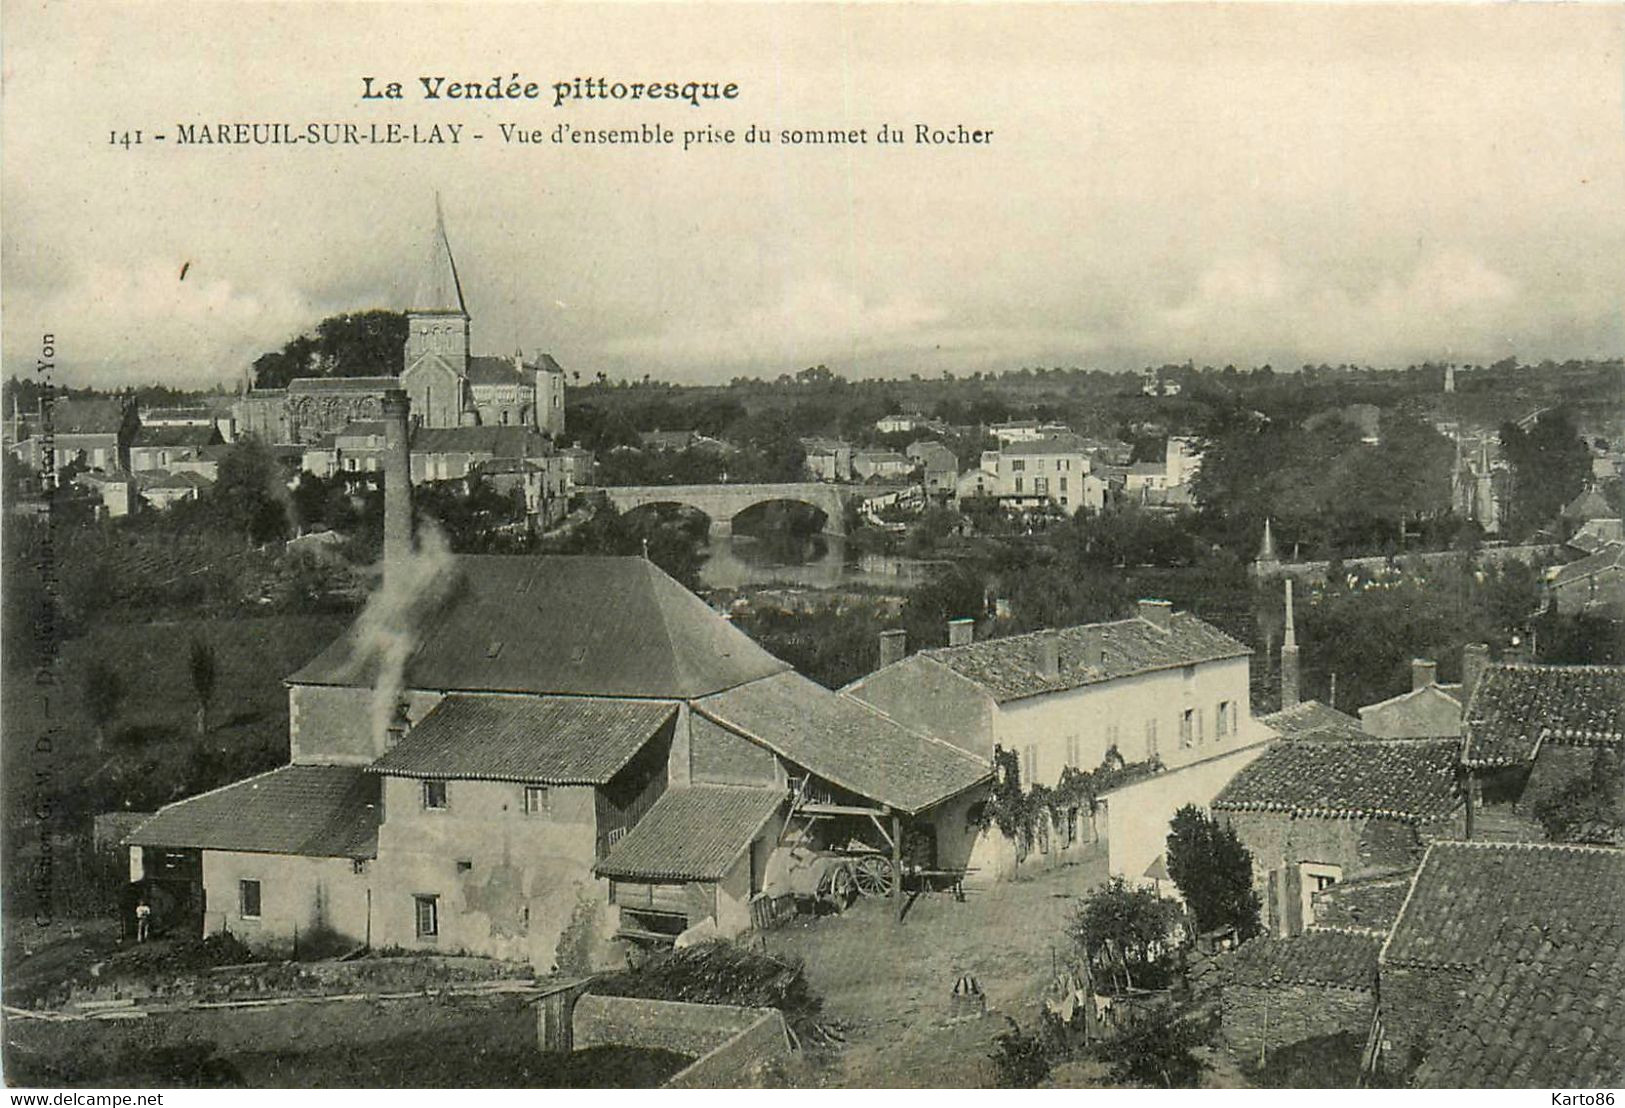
(874, 876)
(838, 886)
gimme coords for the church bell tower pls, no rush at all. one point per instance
(437, 319)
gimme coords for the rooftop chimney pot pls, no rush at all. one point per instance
(893, 646)
(1475, 659)
(961, 632)
(1424, 672)
(1049, 654)
(1158, 613)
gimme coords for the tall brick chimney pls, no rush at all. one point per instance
(1289, 656)
(1424, 672)
(397, 480)
(893, 646)
(961, 632)
(1475, 659)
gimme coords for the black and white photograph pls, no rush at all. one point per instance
(836, 546)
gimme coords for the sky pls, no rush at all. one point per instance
(1379, 184)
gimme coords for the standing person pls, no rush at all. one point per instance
(143, 920)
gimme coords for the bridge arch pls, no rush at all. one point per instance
(722, 503)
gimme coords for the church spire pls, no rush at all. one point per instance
(439, 290)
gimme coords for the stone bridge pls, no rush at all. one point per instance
(723, 502)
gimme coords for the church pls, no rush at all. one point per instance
(449, 386)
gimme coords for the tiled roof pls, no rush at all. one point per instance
(569, 625)
(1530, 1025)
(1311, 715)
(176, 436)
(692, 834)
(552, 740)
(1371, 903)
(1540, 927)
(1589, 504)
(1008, 668)
(485, 369)
(185, 479)
(846, 742)
(325, 811)
(1404, 779)
(502, 442)
(1515, 708)
(1319, 956)
(1479, 901)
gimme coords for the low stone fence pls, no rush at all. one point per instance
(727, 1042)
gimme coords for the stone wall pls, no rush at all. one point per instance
(726, 1042)
(1256, 1018)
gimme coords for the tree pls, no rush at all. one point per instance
(1213, 872)
(248, 494)
(1590, 808)
(1550, 464)
(200, 664)
(353, 344)
(102, 693)
(1119, 926)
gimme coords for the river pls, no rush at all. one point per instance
(815, 561)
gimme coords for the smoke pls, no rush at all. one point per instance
(391, 624)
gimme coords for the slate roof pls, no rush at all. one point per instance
(1528, 1025)
(343, 384)
(695, 833)
(87, 417)
(1540, 902)
(486, 369)
(501, 442)
(1517, 707)
(323, 811)
(1589, 504)
(1412, 780)
(1339, 957)
(1008, 668)
(176, 436)
(567, 625)
(846, 742)
(549, 740)
(1053, 444)
(1311, 715)
(439, 289)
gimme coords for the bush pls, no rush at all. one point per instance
(1323, 1062)
(1157, 1052)
(1019, 1059)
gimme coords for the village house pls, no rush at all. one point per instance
(905, 422)
(1595, 534)
(1318, 810)
(1530, 730)
(1044, 472)
(880, 465)
(1163, 690)
(1592, 586)
(1505, 969)
(1427, 709)
(163, 489)
(155, 448)
(93, 434)
(938, 467)
(1027, 430)
(538, 757)
(221, 420)
(828, 459)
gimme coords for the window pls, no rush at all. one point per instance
(1063, 484)
(1114, 733)
(1029, 764)
(1041, 486)
(1018, 466)
(248, 898)
(1187, 727)
(1223, 725)
(1018, 484)
(1072, 750)
(427, 909)
(1150, 739)
(535, 800)
(434, 795)
(464, 865)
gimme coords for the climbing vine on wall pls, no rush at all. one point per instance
(1023, 815)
